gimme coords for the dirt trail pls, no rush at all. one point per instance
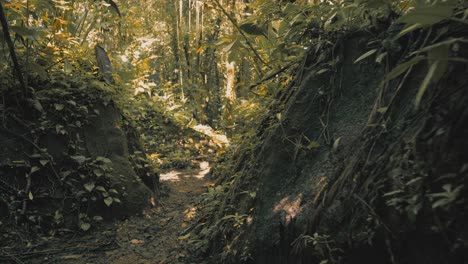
(155, 238)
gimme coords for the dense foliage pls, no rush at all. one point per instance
(183, 73)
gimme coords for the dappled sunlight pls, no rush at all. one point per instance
(245, 131)
(170, 176)
(155, 157)
(190, 214)
(220, 139)
(178, 175)
(204, 169)
(289, 207)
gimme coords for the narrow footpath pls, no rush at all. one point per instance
(156, 237)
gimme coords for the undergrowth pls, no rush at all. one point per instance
(425, 201)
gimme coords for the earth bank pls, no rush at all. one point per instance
(354, 165)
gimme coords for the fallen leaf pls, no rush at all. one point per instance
(137, 241)
(184, 237)
(72, 257)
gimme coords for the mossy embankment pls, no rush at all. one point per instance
(359, 162)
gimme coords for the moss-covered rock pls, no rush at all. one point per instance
(105, 136)
(67, 162)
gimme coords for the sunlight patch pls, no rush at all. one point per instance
(170, 176)
(289, 208)
(190, 214)
(204, 169)
(220, 139)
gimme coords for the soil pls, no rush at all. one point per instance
(157, 236)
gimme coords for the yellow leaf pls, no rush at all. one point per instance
(201, 49)
(382, 110)
(184, 237)
(60, 35)
(313, 145)
(57, 25)
(137, 241)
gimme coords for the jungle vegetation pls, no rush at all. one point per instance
(203, 80)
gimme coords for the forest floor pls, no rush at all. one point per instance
(155, 237)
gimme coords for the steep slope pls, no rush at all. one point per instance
(354, 168)
(65, 162)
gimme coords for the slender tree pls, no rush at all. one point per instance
(11, 47)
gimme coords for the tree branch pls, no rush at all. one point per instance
(16, 65)
(240, 31)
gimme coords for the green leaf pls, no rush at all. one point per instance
(43, 162)
(382, 110)
(37, 105)
(58, 217)
(98, 218)
(85, 226)
(31, 197)
(108, 201)
(184, 237)
(89, 186)
(322, 71)
(103, 159)
(400, 69)
(98, 172)
(79, 159)
(229, 47)
(441, 54)
(32, 33)
(440, 203)
(114, 6)
(67, 66)
(445, 43)
(233, 55)
(392, 193)
(34, 169)
(380, 58)
(429, 15)
(425, 83)
(407, 30)
(65, 174)
(365, 55)
(252, 29)
(313, 145)
(100, 188)
(59, 107)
